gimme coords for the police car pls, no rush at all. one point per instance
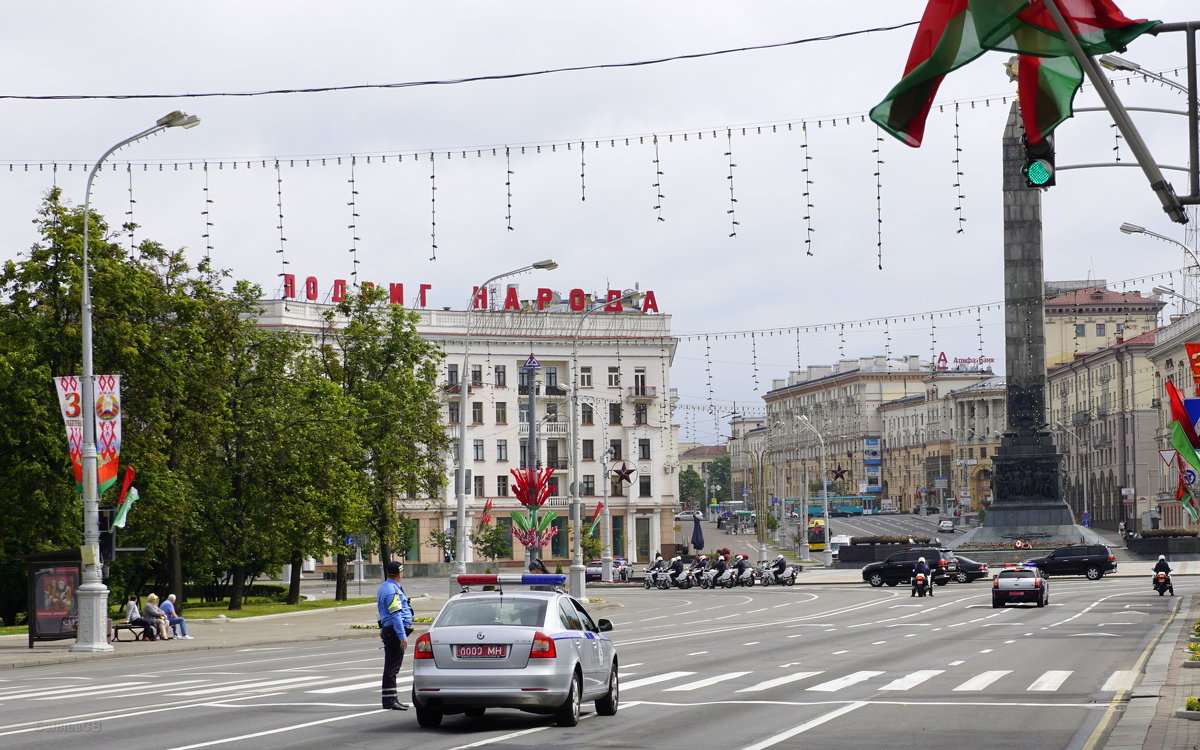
(532, 649)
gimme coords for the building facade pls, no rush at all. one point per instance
(623, 362)
(1084, 317)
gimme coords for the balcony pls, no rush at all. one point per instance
(453, 386)
(554, 428)
(644, 393)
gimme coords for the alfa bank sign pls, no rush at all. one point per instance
(577, 299)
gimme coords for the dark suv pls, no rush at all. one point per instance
(1091, 560)
(898, 568)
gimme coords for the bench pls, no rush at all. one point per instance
(137, 630)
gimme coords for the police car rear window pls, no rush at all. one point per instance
(473, 612)
(1017, 574)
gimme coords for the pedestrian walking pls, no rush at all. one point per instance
(395, 625)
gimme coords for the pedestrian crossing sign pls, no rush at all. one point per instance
(532, 363)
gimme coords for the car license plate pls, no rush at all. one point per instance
(1016, 593)
(481, 651)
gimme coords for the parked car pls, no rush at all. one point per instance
(898, 568)
(930, 510)
(620, 569)
(1020, 585)
(946, 526)
(969, 570)
(888, 511)
(531, 650)
(1091, 560)
(688, 515)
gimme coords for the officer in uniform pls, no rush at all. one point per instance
(395, 625)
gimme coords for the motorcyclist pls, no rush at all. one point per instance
(658, 563)
(675, 570)
(739, 567)
(719, 568)
(701, 564)
(779, 566)
(921, 567)
(1162, 566)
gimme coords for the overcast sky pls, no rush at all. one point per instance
(707, 280)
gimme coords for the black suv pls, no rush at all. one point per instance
(1091, 560)
(898, 568)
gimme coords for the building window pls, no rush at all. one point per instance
(479, 491)
(501, 450)
(1080, 330)
(553, 484)
(614, 376)
(643, 486)
(1120, 328)
(502, 486)
(477, 450)
(588, 487)
(614, 414)
(589, 450)
(585, 377)
(585, 414)
(476, 412)
(614, 450)
(1099, 329)
(524, 376)
(501, 376)
(501, 412)
(453, 407)
(523, 412)
(476, 374)
(551, 411)
(551, 375)
(640, 414)
(452, 373)
(644, 449)
(524, 457)
(983, 451)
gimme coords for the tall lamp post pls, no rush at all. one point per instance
(1081, 453)
(828, 554)
(460, 474)
(1128, 228)
(92, 595)
(576, 580)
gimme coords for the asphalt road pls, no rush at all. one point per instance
(822, 666)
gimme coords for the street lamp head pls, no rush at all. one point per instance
(1128, 228)
(178, 119)
(545, 265)
(1112, 62)
(1163, 290)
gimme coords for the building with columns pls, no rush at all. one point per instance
(625, 416)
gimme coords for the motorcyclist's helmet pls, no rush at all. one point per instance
(920, 559)
(1162, 558)
(778, 558)
(675, 558)
(703, 558)
(721, 558)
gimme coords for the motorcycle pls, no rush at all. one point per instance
(685, 580)
(769, 576)
(921, 584)
(1162, 583)
(656, 578)
(726, 579)
(747, 577)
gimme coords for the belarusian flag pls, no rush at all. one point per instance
(952, 33)
(1189, 467)
(595, 519)
(486, 518)
(1183, 495)
(126, 499)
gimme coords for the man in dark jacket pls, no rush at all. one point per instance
(921, 567)
(1162, 566)
(675, 570)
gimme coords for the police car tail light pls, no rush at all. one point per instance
(1037, 583)
(543, 647)
(424, 647)
(995, 583)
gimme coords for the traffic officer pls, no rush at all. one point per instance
(395, 624)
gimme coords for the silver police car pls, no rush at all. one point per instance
(533, 649)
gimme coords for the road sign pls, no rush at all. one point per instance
(1168, 456)
(941, 483)
(532, 363)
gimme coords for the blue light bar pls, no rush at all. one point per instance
(525, 579)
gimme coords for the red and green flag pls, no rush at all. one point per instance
(595, 519)
(1189, 468)
(952, 33)
(125, 500)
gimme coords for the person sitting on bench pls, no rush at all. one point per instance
(133, 616)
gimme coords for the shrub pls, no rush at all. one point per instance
(1193, 703)
(1148, 533)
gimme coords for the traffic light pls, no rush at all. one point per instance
(1039, 163)
(108, 536)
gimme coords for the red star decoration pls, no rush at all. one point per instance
(624, 474)
(839, 473)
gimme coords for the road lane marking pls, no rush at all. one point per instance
(356, 686)
(704, 683)
(987, 651)
(752, 643)
(983, 679)
(955, 663)
(788, 734)
(267, 732)
(878, 643)
(839, 653)
(910, 681)
(654, 679)
(847, 681)
(776, 682)
(1050, 681)
(73, 692)
(1120, 680)
(151, 689)
(697, 653)
(263, 685)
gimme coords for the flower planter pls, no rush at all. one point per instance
(1183, 713)
(1192, 664)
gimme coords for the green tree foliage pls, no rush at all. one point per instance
(442, 540)
(691, 490)
(492, 541)
(719, 478)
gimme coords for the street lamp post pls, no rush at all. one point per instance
(92, 595)
(1081, 454)
(576, 580)
(460, 474)
(1128, 228)
(828, 554)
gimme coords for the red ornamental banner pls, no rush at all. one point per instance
(1193, 353)
(531, 486)
(108, 426)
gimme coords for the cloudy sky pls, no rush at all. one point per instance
(602, 228)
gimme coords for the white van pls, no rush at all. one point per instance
(837, 541)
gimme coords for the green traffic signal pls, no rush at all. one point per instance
(1039, 172)
(1039, 163)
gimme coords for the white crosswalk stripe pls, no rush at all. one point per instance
(909, 681)
(1119, 680)
(152, 688)
(768, 684)
(1050, 681)
(707, 681)
(848, 680)
(288, 684)
(655, 679)
(74, 691)
(983, 679)
(373, 684)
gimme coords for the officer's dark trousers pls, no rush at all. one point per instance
(393, 657)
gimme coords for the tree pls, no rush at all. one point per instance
(719, 478)
(443, 540)
(491, 541)
(691, 490)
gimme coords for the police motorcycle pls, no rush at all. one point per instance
(921, 583)
(655, 575)
(715, 578)
(682, 580)
(748, 576)
(770, 575)
(1162, 583)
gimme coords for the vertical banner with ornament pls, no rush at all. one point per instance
(532, 488)
(108, 426)
(1193, 354)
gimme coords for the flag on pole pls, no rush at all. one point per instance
(952, 33)
(595, 519)
(486, 518)
(126, 499)
(1179, 413)
(1189, 469)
